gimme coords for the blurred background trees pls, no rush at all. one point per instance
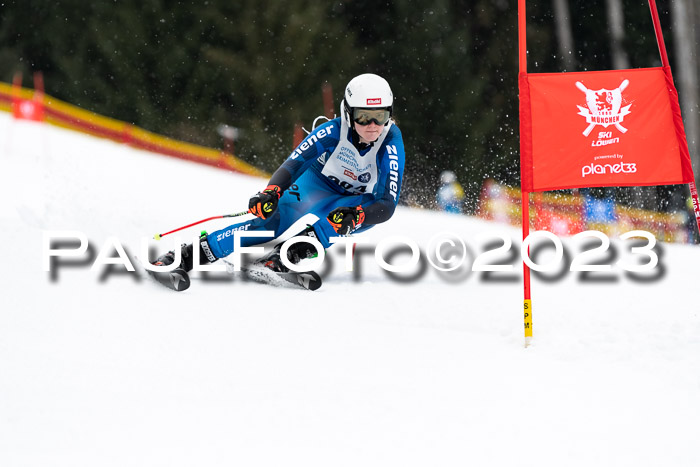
(182, 68)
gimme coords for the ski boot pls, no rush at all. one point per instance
(295, 253)
(169, 258)
(178, 279)
(186, 257)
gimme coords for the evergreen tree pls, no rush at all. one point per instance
(182, 68)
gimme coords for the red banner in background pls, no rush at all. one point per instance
(601, 128)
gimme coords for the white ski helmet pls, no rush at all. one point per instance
(367, 91)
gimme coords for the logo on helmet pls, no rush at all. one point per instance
(375, 101)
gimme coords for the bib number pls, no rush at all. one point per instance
(348, 186)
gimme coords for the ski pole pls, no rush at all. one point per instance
(159, 236)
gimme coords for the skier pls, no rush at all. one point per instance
(347, 172)
(450, 196)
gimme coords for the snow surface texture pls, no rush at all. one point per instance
(104, 369)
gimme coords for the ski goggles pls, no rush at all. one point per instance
(366, 116)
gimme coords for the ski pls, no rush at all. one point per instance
(309, 280)
(177, 279)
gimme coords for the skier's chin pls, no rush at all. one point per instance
(371, 137)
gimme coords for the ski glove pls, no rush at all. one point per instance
(263, 204)
(345, 220)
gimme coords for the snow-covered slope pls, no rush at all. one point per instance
(101, 368)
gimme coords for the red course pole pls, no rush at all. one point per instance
(667, 65)
(525, 195)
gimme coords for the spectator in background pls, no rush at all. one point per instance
(450, 195)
